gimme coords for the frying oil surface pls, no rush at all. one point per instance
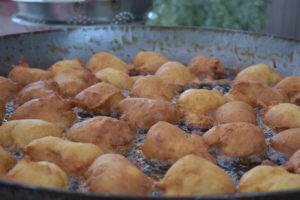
(155, 170)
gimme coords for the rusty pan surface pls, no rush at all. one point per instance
(233, 48)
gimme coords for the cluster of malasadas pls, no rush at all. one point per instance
(44, 99)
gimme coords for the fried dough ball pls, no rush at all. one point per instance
(36, 90)
(260, 72)
(196, 103)
(72, 157)
(168, 143)
(135, 78)
(283, 116)
(103, 60)
(8, 89)
(291, 86)
(176, 74)
(293, 164)
(52, 109)
(101, 96)
(287, 141)
(115, 77)
(149, 61)
(2, 109)
(268, 163)
(108, 133)
(146, 112)
(235, 111)
(6, 162)
(206, 68)
(193, 175)
(114, 174)
(295, 99)
(25, 75)
(238, 139)
(72, 81)
(256, 93)
(267, 178)
(152, 87)
(65, 64)
(18, 133)
(42, 173)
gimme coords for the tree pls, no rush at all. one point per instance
(233, 14)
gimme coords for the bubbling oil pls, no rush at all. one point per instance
(154, 169)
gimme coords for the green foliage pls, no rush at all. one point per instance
(233, 14)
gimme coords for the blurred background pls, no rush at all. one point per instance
(279, 17)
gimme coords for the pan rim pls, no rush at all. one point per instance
(237, 196)
(53, 29)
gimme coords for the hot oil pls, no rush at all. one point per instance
(155, 170)
(77, 184)
(9, 109)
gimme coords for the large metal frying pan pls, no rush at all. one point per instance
(233, 48)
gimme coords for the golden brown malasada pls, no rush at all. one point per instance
(52, 109)
(25, 75)
(282, 116)
(148, 61)
(65, 64)
(99, 97)
(108, 133)
(268, 163)
(287, 141)
(114, 174)
(295, 99)
(291, 86)
(152, 87)
(71, 81)
(135, 78)
(293, 164)
(102, 60)
(8, 88)
(260, 72)
(198, 103)
(175, 74)
(6, 162)
(18, 133)
(238, 139)
(264, 178)
(44, 174)
(168, 143)
(206, 68)
(36, 90)
(256, 93)
(193, 175)
(235, 111)
(146, 112)
(72, 157)
(115, 77)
